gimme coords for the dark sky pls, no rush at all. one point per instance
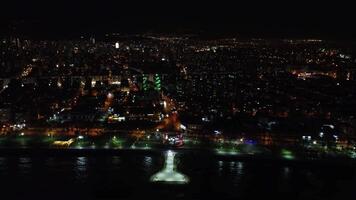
(251, 18)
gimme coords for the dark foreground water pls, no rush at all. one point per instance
(127, 177)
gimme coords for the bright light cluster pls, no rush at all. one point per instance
(168, 173)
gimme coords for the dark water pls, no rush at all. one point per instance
(127, 177)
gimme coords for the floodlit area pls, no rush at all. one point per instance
(222, 151)
(287, 154)
(168, 173)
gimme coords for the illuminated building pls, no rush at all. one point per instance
(173, 139)
(157, 80)
(63, 143)
(144, 83)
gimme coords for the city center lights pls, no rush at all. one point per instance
(140, 102)
(168, 173)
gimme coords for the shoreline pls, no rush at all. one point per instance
(273, 159)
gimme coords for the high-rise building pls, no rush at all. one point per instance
(157, 82)
(144, 83)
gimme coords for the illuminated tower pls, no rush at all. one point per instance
(144, 83)
(157, 84)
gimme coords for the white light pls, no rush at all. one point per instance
(329, 125)
(168, 173)
(117, 45)
(120, 119)
(116, 83)
(80, 137)
(93, 83)
(204, 119)
(110, 95)
(170, 154)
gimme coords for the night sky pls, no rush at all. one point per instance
(288, 19)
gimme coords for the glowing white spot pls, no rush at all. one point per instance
(168, 173)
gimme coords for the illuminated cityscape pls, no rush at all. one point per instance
(132, 104)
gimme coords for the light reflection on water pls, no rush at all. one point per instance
(147, 161)
(80, 169)
(117, 175)
(286, 172)
(24, 164)
(115, 160)
(234, 170)
(240, 168)
(235, 167)
(147, 165)
(221, 167)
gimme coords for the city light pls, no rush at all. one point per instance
(110, 95)
(231, 152)
(63, 143)
(168, 173)
(287, 154)
(211, 109)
